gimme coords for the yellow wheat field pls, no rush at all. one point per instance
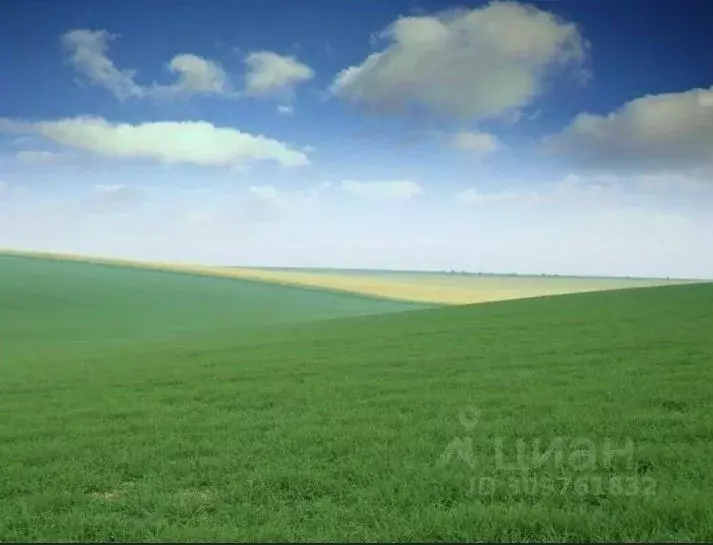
(438, 288)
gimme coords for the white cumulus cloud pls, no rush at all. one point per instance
(666, 132)
(196, 75)
(395, 190)
(188, 142)
(88, 53)
(270, 73)
(482, 63)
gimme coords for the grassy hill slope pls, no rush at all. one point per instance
(340, 429)
(55, 303)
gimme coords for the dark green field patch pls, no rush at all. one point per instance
(55, 303)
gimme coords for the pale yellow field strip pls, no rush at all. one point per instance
(417, 287)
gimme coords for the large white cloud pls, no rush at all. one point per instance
(482, 63)
(190, 142)
(88, 54)
(666, 132)
(270, 73)
(393, 190)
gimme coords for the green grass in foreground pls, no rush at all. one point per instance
(333, 430)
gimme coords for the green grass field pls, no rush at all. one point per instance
(157, 406)
(58, 304)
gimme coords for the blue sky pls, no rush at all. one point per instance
(569, 137)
